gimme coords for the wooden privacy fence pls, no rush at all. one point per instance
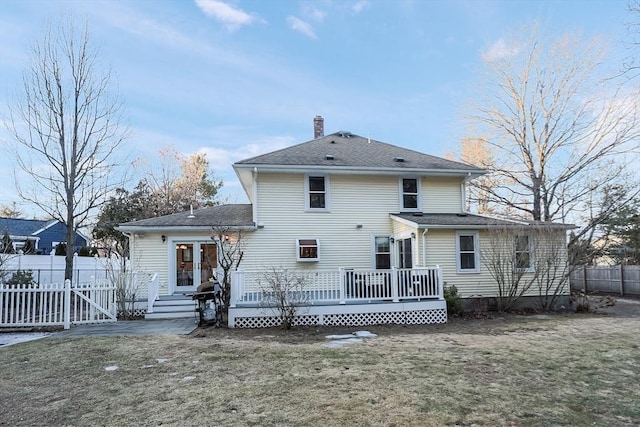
(57, 304)
(617, 279)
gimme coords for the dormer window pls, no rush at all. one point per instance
(409, 194)
(317, 192)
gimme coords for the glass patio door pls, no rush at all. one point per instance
(196, 262)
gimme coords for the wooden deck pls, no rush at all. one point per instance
(346, 297)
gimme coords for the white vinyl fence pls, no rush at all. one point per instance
(617, 279)
(57, 304)
(50, 268)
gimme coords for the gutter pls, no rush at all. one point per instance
(360, 170)
(463, 193)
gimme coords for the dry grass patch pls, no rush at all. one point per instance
(560, 370)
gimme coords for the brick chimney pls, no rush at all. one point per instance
(318, 127)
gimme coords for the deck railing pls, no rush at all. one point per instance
(345, 286)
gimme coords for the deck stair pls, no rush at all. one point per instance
(173, 307)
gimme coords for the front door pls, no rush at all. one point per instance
(196, 262)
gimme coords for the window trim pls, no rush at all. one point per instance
(299, 246)
(418, 207)
(476, 250)
(307, 193)
(531, 267)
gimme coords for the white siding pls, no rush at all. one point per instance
(355, 199)
(149, 256)
(441, 251)
(442, 195)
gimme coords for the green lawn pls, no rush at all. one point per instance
(557, 370)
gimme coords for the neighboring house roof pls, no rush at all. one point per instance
(467, 220)
(23, 227)
(235, 215)
(353, 151)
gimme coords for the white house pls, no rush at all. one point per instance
(375, 229)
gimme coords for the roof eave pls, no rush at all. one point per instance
(183, 228)
(280, 168)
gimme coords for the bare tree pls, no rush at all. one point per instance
(508, 260)
(631, 64)
(284, 292)
(67, 130)
(551, 264)
(558, 129)
(230, 247)
(10, 211)
(176, 192)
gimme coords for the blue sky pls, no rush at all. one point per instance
(237, 78)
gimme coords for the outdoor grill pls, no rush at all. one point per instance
(209, 297)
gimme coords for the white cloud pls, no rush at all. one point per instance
(314, 13)
(359, 6)
(300, 26)
(229, 15)
(499, 50)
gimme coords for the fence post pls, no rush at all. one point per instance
(621, 280)
(75, 265)
(52, 254)
(584, 278)
(67, 303)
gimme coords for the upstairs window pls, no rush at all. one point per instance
(467, 252)
(410, 193)
(308, 250)
(317, 192)
(523, 253)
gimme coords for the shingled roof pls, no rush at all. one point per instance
(233, 215)
(23, 227)
(468, 220)
(344, 149)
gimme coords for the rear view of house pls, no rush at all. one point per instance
(375, 229)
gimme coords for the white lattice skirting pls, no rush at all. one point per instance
(350, 315)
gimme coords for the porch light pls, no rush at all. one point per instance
(164, 238)
(413, 235)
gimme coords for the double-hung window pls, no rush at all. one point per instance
(467, 252)
(317, 192)
(523, 254)
(382, 252)
(409, 194)
(308, 250)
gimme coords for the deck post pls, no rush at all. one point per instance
(440, 283)
(237, 286)
(394, 284)
(342, 286)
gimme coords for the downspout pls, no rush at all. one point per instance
(255, 196)
(424, 247)
(463, 193)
